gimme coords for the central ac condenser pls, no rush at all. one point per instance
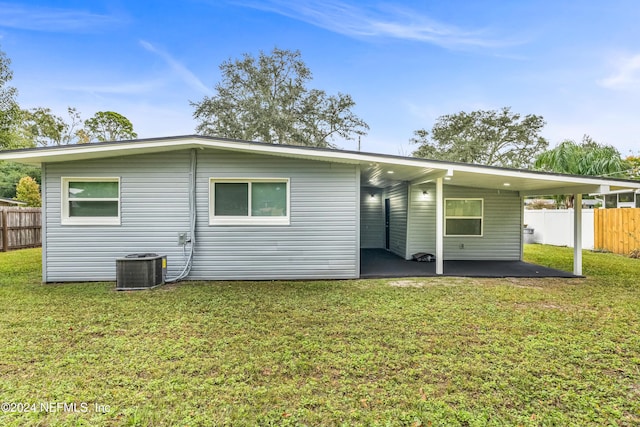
(140, 271)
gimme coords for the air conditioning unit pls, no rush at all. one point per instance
(140, 271)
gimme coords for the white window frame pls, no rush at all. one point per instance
(481, 217)
(631, 204)
(247, 220)
(66, 219)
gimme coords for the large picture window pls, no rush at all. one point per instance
(249, 201)
(91, 201)
(463, 217)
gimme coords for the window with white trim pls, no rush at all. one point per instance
(91, 201)
(626, 197)
(611, 201)
(463, 217)
(257, 201)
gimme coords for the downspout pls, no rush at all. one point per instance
(192, 222)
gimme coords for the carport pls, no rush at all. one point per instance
(469, 216)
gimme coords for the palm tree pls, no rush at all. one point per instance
(585, 158)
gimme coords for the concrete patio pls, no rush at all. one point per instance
(380, 263)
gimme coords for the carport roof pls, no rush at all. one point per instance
(377, 170)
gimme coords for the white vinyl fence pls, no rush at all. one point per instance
(555, 227)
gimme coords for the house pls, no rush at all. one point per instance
(539, 203)
(257, 211)
(621, 199)
(11, 202)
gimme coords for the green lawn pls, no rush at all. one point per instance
(444, 351)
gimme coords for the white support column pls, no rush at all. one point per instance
(439, 227)
(521, 228)
(577, 234)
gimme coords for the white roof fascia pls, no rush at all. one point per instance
(624, 190)
(79, 152)
(440, 168)
(448, 168)
(577, 189)
(337, 156)
(88, 151)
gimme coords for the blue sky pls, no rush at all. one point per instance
(576, 63)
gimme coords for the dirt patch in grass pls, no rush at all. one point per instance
(548, 306)
(540, 283)
(537, 283)
(436, 281)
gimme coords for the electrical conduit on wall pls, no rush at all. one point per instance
(192, 222)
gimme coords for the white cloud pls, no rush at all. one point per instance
(626, 74)
(384, 21)
(38, 18)
(183, 72)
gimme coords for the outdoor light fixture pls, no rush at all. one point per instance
(425, 192)
(506, 184)
(373, 195)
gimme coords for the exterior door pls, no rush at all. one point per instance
(387, 214)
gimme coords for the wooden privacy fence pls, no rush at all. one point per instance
(617, 230)
(20, 228)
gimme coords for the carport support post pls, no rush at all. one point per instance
(577, 234)
(439, 227)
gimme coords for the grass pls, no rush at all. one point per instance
(441, 351)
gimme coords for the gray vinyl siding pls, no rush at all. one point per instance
(43, 190)
(320, 242)
(153, 209)
(398, 199)
(502, 231)
(371, 218)
(421, 228)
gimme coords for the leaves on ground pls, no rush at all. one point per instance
(483, 352)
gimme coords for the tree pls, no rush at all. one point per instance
(28, 191)
(267, 99)
(9, 109)
(10, 174)
(585, 158)
(486, 137)
(45, 128)
(29, 128)
(634, 164)
(107, 126)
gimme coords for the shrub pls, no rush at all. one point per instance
(28, 191)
